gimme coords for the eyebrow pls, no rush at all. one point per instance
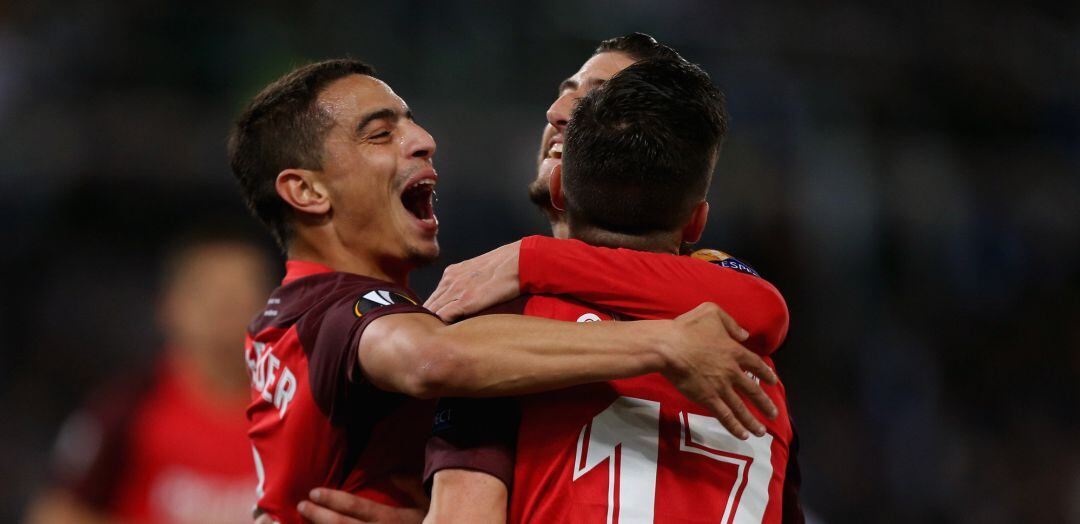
(385, 113)
(570, 83)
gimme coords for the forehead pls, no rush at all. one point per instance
(352, 96)
(602, 66)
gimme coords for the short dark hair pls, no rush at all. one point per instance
(640, 148)
(638, 46)
(282, 128)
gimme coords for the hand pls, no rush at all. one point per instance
(708, 365)
(477, 284)
(328, 506)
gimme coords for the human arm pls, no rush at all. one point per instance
(494, 355)
(469, 459)
(330, 506)
(486, 495)
(662, 285)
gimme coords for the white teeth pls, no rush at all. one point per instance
(555, 151)
(424, 182)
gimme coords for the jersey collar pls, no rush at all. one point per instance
(297, 269)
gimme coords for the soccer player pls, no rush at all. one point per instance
(171, 445)
(632, 449)
(330, 159)
(596, 275)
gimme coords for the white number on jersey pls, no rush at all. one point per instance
(627, 435)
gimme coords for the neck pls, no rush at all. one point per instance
(663, 242)
(339, 257)
(559, 228)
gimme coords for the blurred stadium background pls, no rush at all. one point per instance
(907, 174)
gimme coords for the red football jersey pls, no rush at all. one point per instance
(159, 450)
(314, 420)
(635, 450)
(656, 285)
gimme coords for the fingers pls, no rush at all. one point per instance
(754, 364)
(733, 328)
(756, 395)
(441, 294)
(332, 506)
(738, 407)
(728, 419)
(319, 515)
(451, 311)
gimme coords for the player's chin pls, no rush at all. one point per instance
(424, 251)
(540, 193)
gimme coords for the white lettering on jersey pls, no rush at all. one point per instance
(264, 367)
(286, 387)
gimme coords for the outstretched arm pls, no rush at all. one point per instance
(497, 355)
(663, 285)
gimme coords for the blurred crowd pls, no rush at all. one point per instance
(907, 175)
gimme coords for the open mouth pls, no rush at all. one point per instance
(419, 199)
(555, 151)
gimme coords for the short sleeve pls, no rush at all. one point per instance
(474, 434)
(331, 334)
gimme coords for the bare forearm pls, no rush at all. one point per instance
(496, 355)
(467, 496)
(511, 355)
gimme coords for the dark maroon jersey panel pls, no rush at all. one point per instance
(314, 421)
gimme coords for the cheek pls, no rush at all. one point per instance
(364, 190)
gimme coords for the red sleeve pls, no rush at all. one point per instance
(652, 285)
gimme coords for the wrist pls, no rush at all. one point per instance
(663, 346)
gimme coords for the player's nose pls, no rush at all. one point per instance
(559, 112)
(418, 142)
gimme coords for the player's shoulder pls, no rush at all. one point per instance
(722, 259)
(366, 293)
(314, 296)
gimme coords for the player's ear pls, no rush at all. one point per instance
(696, 226)
(302, 190)
(555, 187)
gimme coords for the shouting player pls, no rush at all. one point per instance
(630, 450)
(332, 161)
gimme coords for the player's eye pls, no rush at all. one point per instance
(379, 135)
